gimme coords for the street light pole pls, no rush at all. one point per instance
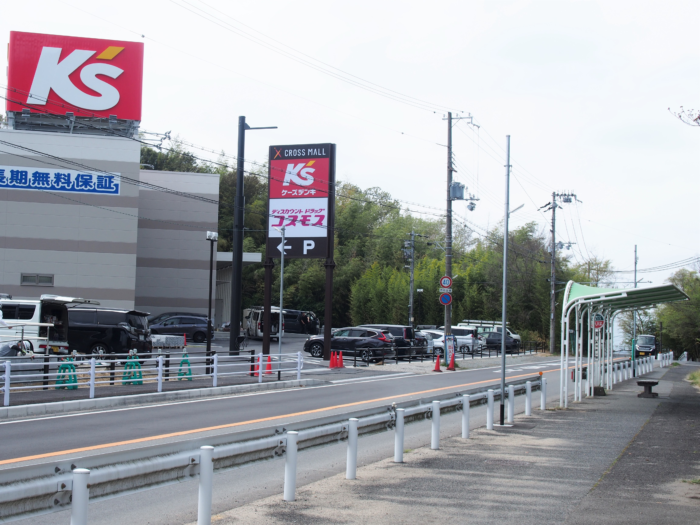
(237, 246)
(505, 283)
(213, 238)
(280, 323)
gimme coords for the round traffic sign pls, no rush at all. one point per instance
(446, 282)
(445, 299)
(599, 321)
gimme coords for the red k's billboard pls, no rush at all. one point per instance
(300, 179)
(88, 76)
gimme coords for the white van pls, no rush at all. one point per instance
(467, 338)
(483, 327)
(48, 309)
(253, 322)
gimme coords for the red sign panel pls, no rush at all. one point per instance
(87, 76)
(295, 178)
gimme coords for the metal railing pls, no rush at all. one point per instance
(92, 371)
(51, 485)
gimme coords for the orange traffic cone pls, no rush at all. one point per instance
(257, 369)
(268, 369)
(452, 363)
(333, 363)
(340, 360)
(437, 364)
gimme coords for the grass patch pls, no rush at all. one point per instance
(693, 481)
(675, 364)
(407, 450)
(695, 378)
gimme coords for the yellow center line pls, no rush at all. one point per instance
(249, 422)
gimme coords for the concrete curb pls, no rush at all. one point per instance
(79, 405)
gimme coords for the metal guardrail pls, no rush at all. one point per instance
(49, 486)
(135, 372)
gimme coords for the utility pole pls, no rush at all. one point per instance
(237, 247)
(565, 198)
(448, 230)
(504, 333)
(412, 266)
(634, 319)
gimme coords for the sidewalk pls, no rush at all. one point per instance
(588, 464)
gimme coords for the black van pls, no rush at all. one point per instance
(111, 331)
(293, 324)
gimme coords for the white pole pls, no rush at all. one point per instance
(160, 373)
(543, 394)
(299, 361)
(280, 324)
(7, 385)
(489, 410)
(206, 479)
(92, 377)
(80, 497)
(290, 466)
(511, 403)
(351, 468)
(398, 436)
(260, 367)
(435, 435)
(465, 416)
(528, 398)
(215, 371)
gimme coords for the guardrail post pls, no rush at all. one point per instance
(543, 394)
(351, 467)
(511, 403)
(80, 497)
(7, 385)
(299, 362)
(215, 371)
(466, 403)
(489, 410)
(92, 377)
(160, 373)
(206, 478)
(528, 398)
(398, 436)
(260, 367)
(290, 466)
(435, 436)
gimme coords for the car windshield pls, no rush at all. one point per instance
(646, 340)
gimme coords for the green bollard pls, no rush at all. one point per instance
(67, 376)
(132, 370)
(184, 374)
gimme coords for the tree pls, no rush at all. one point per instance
(647, 323)
(681, 320)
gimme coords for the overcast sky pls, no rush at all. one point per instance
(582, 87)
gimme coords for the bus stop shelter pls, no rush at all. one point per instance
(586, 304)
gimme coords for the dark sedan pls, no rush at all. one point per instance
(492, 340)
(195, 328)
(370, 345)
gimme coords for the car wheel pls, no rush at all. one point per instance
(100, 348)
(366, 355)
(199, 337)
(316, 350)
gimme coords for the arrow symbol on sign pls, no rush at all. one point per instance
(286, 247)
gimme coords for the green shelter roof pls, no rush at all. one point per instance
(623, 298)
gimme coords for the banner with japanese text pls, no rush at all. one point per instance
(59, 180)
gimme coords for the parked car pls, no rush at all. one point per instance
(108, 330)
(195, 328)
(253, 322)
(403, 337)
(293, 322)
(493, 342)
(155, 319)
(369, 344)
(438, 337)
(420, 342)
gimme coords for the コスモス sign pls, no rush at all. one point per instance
(300, 179)
(86, 76)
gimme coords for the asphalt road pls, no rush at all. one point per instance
(69, 435)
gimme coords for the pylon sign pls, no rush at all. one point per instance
(598, 321)
(302, 179)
